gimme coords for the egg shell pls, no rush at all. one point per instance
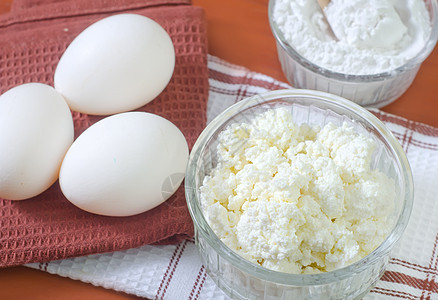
(36, 130)
(117, 64)
(124, 164)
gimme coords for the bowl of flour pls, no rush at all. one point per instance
(297, 194)
(378, 48)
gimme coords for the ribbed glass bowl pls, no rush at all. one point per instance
(375, 90)
(241, 279)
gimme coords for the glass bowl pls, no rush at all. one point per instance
(375, 90)
(241, 279)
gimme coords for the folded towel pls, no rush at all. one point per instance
(176, 271)
(33, 37)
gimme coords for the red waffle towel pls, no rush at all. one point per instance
(32, 39)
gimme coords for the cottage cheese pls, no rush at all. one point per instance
(297, 199)
(375, 36)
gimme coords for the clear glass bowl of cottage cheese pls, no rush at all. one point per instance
(379, 49)
(243, 277)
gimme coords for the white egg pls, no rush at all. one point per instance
(117, 64)
(36, 130)
(124, 164)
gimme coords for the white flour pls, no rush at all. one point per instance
(375, 36)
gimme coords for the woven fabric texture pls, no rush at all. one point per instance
(32, 39)
(176, 271)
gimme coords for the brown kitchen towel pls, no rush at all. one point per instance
(33, 37)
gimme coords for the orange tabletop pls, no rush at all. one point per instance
(238, 31)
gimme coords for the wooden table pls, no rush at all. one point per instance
(238, 31)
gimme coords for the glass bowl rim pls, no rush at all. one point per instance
(304, 62)
(202, 228)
